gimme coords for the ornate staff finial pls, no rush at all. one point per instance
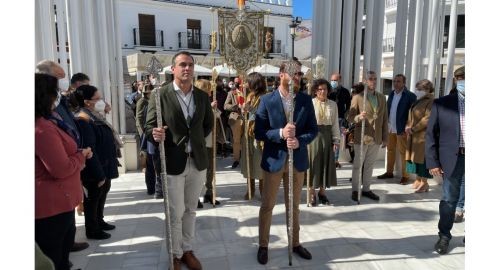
(154, 66)
(319, 70)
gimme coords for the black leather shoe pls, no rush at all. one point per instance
(200, 205)
(235, 164)
(98, 235)
(158, 196)
(262, 255)
(442, 244)
(106, 226)
(370, 195)
(385, 176)
(78, 246)
(302, 251)
(354, 196)
(323, 199)
(208, 199)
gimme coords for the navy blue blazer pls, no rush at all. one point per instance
(442, 135)
(407, 99)
(271, 117)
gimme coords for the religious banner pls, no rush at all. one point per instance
(242, 37)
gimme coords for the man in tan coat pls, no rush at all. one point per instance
(375, 117)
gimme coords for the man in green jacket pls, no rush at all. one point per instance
(187, 120)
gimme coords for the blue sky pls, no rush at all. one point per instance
(302, 8)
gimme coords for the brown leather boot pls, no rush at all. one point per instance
(191, 261)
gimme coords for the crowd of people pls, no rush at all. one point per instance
(80, 161)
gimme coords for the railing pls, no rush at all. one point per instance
(388, 45)
(188, 41)
(390, 3)
(148, 37)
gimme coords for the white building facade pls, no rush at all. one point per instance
(411, 37)
(165, 27)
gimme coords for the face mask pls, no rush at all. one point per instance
(461, 87)
(153, 81)
(64, 84)
(420, 93)
(99, 106)
(334, 84)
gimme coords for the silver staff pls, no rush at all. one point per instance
(163, 175)
(361, 146)
(247, 148)
(292, 68)
(213, 85)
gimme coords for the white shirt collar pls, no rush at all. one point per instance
(177, 88)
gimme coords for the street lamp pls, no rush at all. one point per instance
(295, 22)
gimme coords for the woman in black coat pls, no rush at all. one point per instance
(100, 136)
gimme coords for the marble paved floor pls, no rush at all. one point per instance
(396, 233)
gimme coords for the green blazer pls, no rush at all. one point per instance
(178, 133)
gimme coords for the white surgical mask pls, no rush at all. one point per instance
(420, 93)
(64, 84)
(461, 87)
(99, 106)
(153, 81)
(334, 84)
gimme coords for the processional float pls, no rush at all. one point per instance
(154, 67)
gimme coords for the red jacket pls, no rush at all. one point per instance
(57, 170)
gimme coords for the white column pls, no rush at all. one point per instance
(73, 15)
(400, 38)
(452, 35)
(119, 66)
(431, 54)
(410, 44)
(417, 47)
(102, 38)
(334, 44)
(357, 51)
(45, 34)
(425, 24)
(368, 36)
(90, 66)
(61, 32)
(439, 53)
(377, 38)
(347, 41)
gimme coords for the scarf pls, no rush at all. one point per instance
(99, 120)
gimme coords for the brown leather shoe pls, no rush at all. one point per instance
(177, 264)
(190, 260)
(404, 180)
(386, 175)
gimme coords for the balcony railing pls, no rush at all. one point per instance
(189, 41)
(388, 45)
(148, 37)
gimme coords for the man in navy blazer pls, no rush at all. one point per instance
(398, 107)
(272, 127)
(445, 154)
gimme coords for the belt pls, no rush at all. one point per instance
(190, 154)
(461, 150)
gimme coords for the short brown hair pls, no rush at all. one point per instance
(459, 72)
(425, 85)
